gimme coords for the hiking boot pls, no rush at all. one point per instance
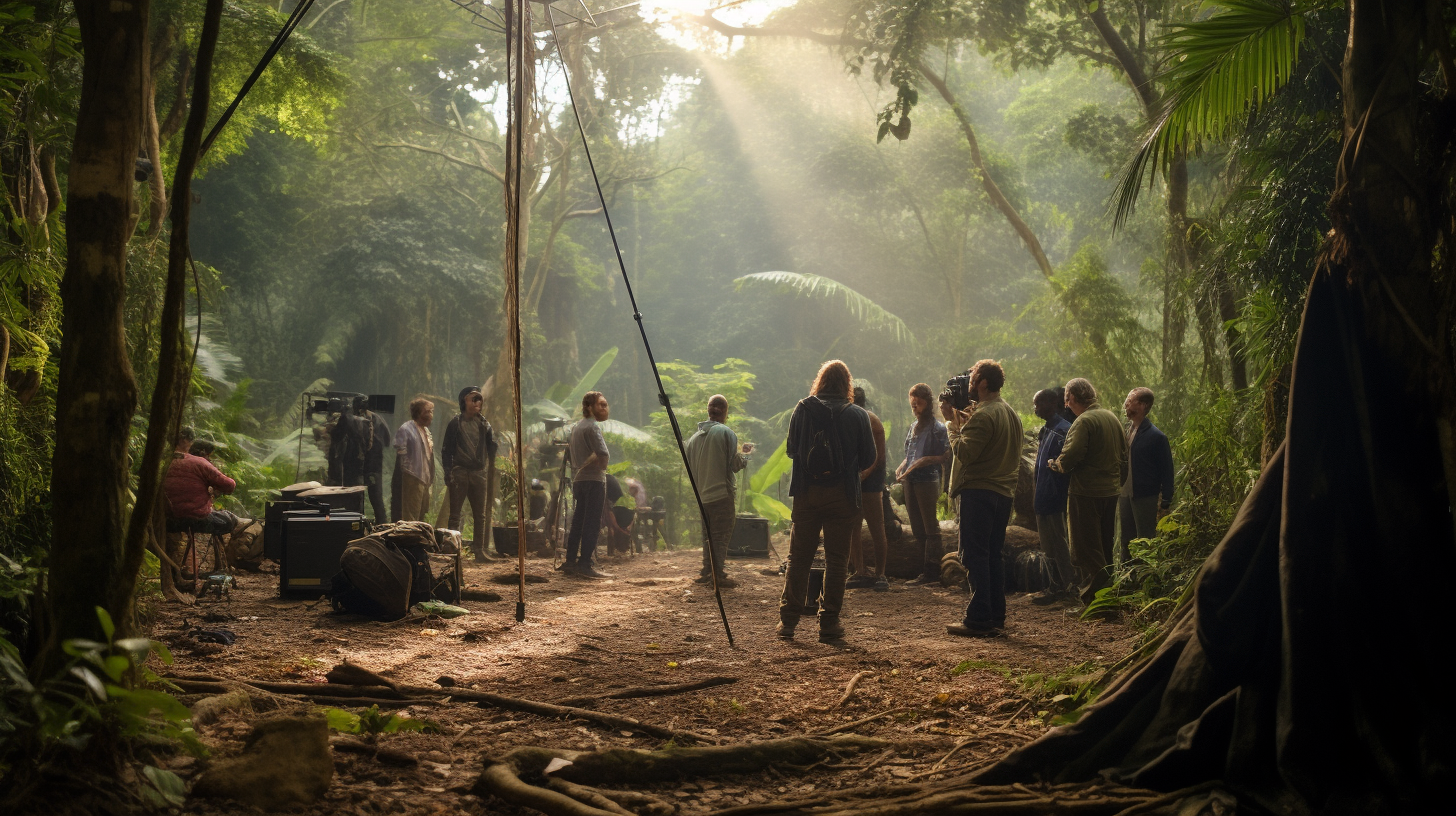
(703, 579)
(925, 580)
(724, 582)
(882, 584)
(972, 631)
(592, 572)
(567, 568)
(860, 582)
(829, 627)
(785, 629)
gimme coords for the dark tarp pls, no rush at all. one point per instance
(1303, 674)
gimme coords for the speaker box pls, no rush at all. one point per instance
(311, 548)
(750, 538)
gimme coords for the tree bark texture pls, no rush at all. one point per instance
(96, 393)
(1250, 686)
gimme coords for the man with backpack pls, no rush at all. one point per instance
(833, 452)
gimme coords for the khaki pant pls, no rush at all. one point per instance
(830, 510)
(414, 495)
(1093, 521)
(721, 518)
(470, 484)
(920, 499)
(874, 515)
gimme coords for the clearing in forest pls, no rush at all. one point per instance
(946, 703)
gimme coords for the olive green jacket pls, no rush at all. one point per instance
(987, 449)
(1095, 454)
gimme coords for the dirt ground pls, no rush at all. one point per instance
(649, 625)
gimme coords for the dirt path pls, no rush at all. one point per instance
(651, 625)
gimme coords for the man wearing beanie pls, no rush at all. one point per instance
(467, 450)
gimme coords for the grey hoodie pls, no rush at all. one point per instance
(713, 458)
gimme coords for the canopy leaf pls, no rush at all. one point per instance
(871, 314)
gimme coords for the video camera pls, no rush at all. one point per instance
(957, 391)
(342, 402)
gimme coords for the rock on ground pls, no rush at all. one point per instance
(285, 762)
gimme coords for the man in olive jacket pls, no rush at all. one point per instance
(1094, 457)
(986, 443)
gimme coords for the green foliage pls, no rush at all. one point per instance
(103, 697)
(1220, 69)
(373, 721)
(859, 307)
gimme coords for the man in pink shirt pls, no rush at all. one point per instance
(189, 486)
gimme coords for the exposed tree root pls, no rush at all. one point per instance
(650, 691)
(850, 726)
(506, 777)
(377, 752)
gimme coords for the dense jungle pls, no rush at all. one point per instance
(224, 220)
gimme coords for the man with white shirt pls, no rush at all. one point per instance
(415, 448)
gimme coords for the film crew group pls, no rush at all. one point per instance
(465, 454)
(189, 486)
(356, 452)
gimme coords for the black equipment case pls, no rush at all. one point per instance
(750, 538)
(311, 543)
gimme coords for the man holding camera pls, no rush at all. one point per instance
(985, 441)
(926, 450)
(713, 457)
(1094, 457)
(466, 452)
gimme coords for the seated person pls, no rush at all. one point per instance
(191, 482)
(617, 517)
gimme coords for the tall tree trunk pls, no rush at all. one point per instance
(96, 393)
(170, 392)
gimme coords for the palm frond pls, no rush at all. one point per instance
(1221, 69)
(863, 309)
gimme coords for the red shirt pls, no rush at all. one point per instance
(186, 486)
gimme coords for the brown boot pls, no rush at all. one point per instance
(829, 627)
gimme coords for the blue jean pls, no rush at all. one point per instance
(586, 521)
(984, 515)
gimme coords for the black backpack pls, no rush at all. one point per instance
(375, 579)
(822, 455)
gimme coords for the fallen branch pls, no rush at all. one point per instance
(650, 691)
(849, 689)
(549, 710)
(857, 723)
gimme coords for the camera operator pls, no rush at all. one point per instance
(466, 451)
(714, 456)
(1094, 456)
(927, 449)
(362, 436)
(986, 442)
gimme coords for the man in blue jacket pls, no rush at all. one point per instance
(1050, 502)
(1148, 492)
